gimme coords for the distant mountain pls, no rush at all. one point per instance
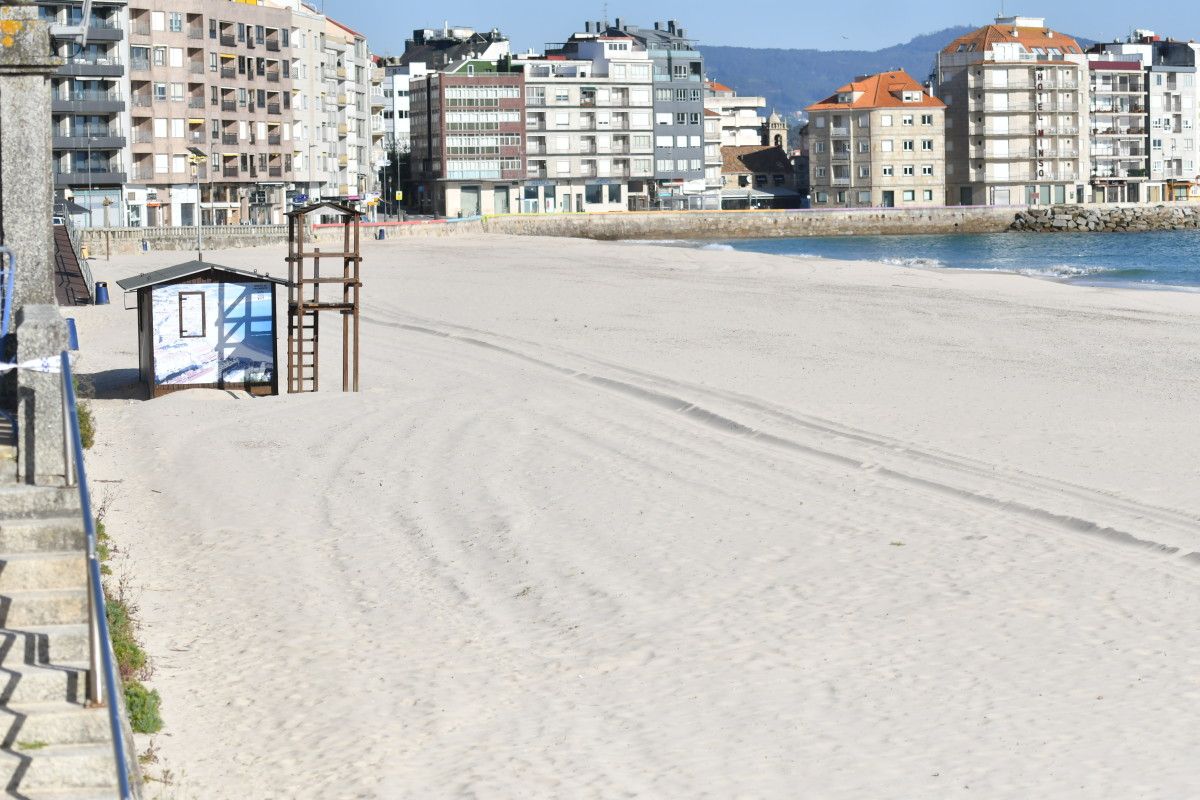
(791, 79)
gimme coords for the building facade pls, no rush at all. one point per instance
(1017, 115)
(589, 126)
(212, 79)
(1119, 131)
(89, 98)
(678, 69)
(741, 117)
(1161, 110)
(879, 141)
(468, 139)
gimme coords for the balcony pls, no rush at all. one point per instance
(837, 130)
(143, 136)
(196, 34)
(229, 72)
(377, 100)
(103, 67)
(229, 105)
(275, 172)
(273, 108)
(73, 177)
(140, 65)
(341, 72)
(839, 181)
(139, 27)
(196, 68)
(143, 172)
(195, 102)
(229, 138)
(841, 156)
(100, 139)
(274, 139)
(228, 40)
(87, 102)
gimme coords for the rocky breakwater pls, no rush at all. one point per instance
(1114, 219)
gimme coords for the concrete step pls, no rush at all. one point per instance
(58, 767)
(26, 684)
(43, 644)
(70, 794)
(40, 534)
(53, 723)
(21, 500)
(25, 571)
(44, 607)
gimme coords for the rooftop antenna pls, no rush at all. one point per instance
(605, 14)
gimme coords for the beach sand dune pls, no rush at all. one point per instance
(618, 520)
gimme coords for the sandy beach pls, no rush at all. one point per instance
(618, 520)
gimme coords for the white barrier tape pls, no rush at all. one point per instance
(52, 366)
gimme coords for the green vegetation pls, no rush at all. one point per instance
(144, 708)
(32, 745)
(87, 422)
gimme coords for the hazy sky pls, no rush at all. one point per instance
(866, 25)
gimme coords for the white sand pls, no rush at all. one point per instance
(617, 520)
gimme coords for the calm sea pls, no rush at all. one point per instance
(1158, 259)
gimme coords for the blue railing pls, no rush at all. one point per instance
(102, 660)
(8, 271)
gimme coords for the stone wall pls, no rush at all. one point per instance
(102, 242)
(624, 225)
(1079, 219)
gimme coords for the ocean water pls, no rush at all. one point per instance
(1165, 259)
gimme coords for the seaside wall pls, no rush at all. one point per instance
(1080, 219)
(102, 242)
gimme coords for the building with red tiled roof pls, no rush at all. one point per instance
(1017, 115)
(878, 141)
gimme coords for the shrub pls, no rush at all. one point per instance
(144, 706)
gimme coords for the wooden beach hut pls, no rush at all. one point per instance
(205, 326)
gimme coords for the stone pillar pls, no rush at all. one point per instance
(26, 175)
(41, 333)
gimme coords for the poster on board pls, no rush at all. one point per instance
(213, 333)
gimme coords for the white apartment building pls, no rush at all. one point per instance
(877, 142)
(741, 117)
(313, 140)
(1168, 121)
(589, 124)
(1119, 129)
(1017, 115)
(713, 161)
(347, 100)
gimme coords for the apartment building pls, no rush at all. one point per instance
(1167, 110)
(712, 150)
(1016, 115)
(879, 141)
(350, 173)
(741, 117)
(1119, 131)
(88, 107)
(213, 77)
(589, 125)
(678, 111)
(468, 138)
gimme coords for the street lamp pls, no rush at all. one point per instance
(197, 157)
(91, 197)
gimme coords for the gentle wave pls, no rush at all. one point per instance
(720, 247)
(914, 262)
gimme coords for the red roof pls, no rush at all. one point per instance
(884, 90)
(981, 40)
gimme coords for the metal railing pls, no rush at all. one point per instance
(7, 276)
(102, 667)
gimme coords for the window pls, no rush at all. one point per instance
(662, 119)
(927, 170)
(885, 120)
(563, 167)
(681, 118)
(927, 145)
(864, 171)
(820, 122)
(160, 91)
(864, 120)
(664, 141)
(160, 56)
(177, 129)
(162, 163)
(693, 119)
(841, 198)
(927, 195)
(927, 119)
(907, 119)
(562, 96)
(176, 56)
(818, 147)
(909, 145)
(662, 95)
(193, 323)
(822, 197)
(910, 195)
(175, 21)
(158, 21)
(679, 71)
(177, 92)
(593, 194)
(820, 172)
(864, 198)
(908, 170)
(888, 170)
(885, 146)
(666, 165)
(864, 146)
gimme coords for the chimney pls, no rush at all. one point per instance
(682, 33)
(658, 26)
(618, 24)
(671, 25)
(587, 27)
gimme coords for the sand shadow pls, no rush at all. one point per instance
(114, 384)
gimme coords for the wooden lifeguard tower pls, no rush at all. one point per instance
(305, 303)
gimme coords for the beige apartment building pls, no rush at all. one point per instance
(591, 140)
(1017, 115)
(211, 78)
(347, 99)
(878, 142)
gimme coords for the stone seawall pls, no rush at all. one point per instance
(102, 242)
(1114, 219)
(755, 224)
